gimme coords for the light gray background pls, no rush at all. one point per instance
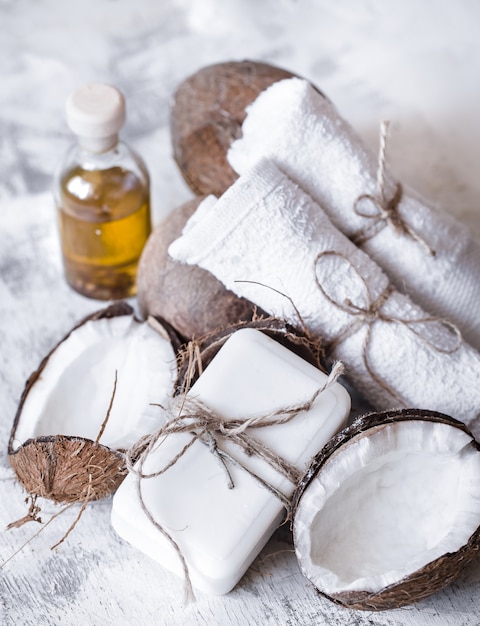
(415, 63)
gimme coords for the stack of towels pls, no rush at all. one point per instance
(391, 285)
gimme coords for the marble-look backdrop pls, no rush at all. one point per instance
(416, 63)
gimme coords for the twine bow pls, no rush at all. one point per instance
(367, 316)
(385, 211)
(194, 418)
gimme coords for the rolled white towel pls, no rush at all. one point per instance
(267, 230)
(302, 132)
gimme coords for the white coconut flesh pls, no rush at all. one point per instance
(387, 504)
(73, 393)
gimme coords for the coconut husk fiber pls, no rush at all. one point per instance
(68, 469)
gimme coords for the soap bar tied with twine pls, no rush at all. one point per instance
(188, 415)
(267, 230)
(425, 252)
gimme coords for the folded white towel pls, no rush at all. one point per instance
(266, 229)
(305, 136)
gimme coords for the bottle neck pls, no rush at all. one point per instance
(98, 145)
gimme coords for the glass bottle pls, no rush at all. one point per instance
(102, 196)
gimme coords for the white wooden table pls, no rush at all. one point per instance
(416, 63)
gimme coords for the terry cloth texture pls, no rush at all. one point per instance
(267, 230)
(303, 134)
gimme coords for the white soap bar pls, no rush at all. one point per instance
(219, 530)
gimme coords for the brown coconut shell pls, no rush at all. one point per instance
(207, 115)
(189, 298)
(435, 575)
(68, 468)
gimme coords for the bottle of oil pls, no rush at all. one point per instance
(102, 197)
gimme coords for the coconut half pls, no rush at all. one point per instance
(92, 397)
(389, 511)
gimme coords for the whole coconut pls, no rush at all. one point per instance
(189, 298)
(207, 115)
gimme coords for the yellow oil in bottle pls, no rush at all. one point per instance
(104, 222)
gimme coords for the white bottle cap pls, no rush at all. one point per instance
(96, 112)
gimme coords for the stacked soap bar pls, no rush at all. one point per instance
(220, 530)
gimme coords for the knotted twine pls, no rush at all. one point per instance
(195, 418)
(371, 313)
(386, 211)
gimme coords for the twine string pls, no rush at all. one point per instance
(88, 496)
(373, 311)
(385, 211)
(41, 529)
(201, 423)
(109, 410)
(382, 159)
(32, 515)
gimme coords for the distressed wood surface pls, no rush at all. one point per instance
(375, 59)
